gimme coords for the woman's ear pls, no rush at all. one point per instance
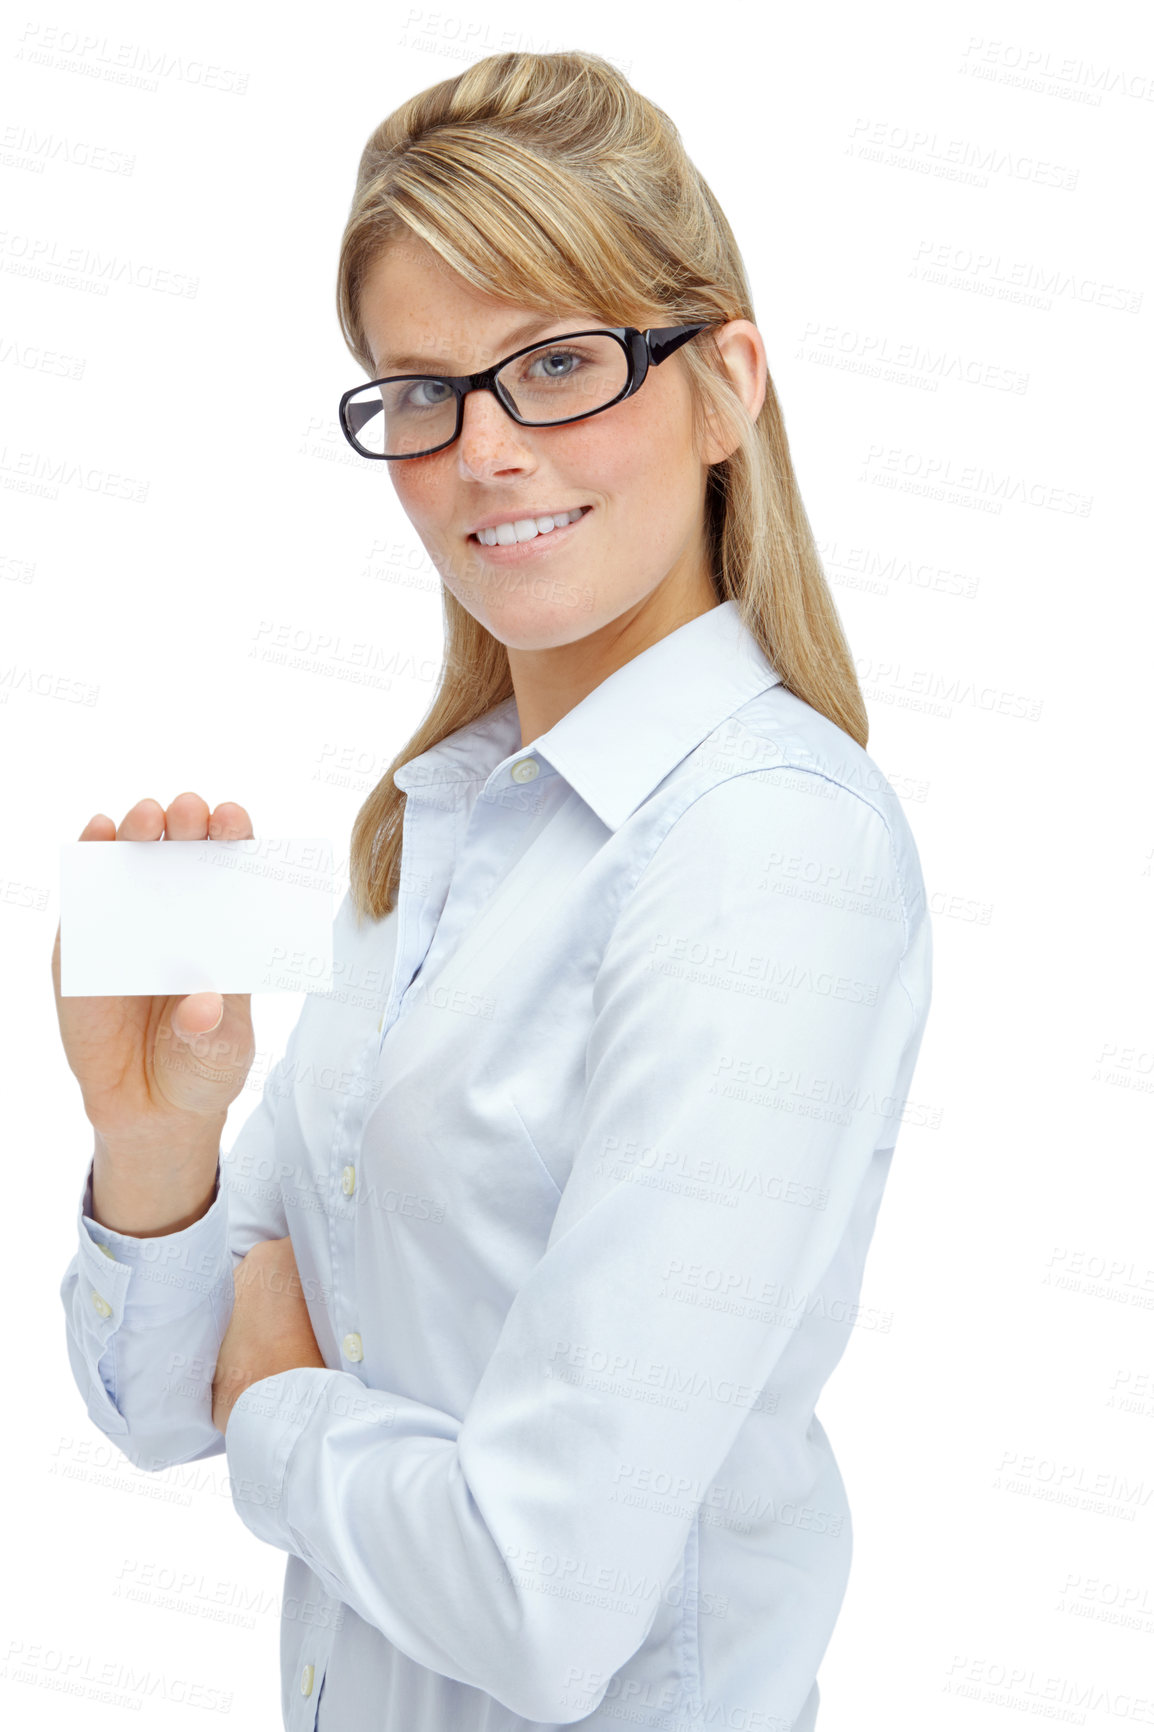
(743, 355)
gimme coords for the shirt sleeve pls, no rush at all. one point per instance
(493, 1549)
(145, 1317)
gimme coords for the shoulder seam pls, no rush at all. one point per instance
(807, 770)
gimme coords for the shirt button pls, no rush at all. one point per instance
(526, 770)
(348, 1180)
(352, 1347)
(102, 1305)
(307, 1681)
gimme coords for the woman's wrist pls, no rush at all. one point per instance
(148, 1191)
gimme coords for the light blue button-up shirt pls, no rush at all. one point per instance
(580, 1157)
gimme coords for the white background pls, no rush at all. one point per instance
(934, 205)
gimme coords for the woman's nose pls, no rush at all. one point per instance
(490, 438)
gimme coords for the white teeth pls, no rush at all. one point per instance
(525, 528)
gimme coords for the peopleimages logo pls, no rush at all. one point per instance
(118, 62)
(46, 258)
(948, 265)
(962, 159)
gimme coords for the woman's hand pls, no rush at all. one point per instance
(270, 1329)
(156, 1071)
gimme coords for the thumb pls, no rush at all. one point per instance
(195, 1009)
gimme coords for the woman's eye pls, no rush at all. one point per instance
(556, 355)
(414, 397)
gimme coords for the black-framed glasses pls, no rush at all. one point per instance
(544, 385)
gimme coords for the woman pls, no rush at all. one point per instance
(578, 1162)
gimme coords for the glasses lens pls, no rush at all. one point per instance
(402, 417)
(569, 376)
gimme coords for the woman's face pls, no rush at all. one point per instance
(633, 469)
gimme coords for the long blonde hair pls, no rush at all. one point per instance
(547, 180)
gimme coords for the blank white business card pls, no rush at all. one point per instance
(178, 917)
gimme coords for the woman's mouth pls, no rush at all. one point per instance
(526, 537)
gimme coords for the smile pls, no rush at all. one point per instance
(528, 528)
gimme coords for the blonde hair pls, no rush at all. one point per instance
(548, 181)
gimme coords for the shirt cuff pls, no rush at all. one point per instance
(161, 1278)
(266, 1421)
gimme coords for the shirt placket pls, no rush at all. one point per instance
(434, 822)
(443, 825)
(304, 1688)
(427, 854)
(506, 815)
(458, 843)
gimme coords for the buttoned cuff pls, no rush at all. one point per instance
(155, 1279)
(266, 1421)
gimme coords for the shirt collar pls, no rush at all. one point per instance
(628, 733)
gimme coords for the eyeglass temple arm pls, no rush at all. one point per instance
(663, 342)
(357, 414)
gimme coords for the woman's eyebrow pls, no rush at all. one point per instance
(512, 341)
